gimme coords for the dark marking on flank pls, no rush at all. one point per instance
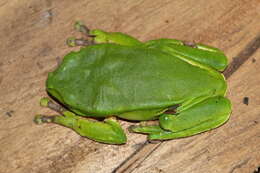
(172, 109)
(246, 100)
(253, 60)
(166, 21)
(242, 57)
(190, 44)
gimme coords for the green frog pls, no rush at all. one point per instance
(115, 75)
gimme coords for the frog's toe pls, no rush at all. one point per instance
(73, 42)
(79, 26)
(40, 119)
(44, 101)
(145, 129)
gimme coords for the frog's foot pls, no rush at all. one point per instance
(46, 102)
(204, 116)
(72, 42)
(109, 131)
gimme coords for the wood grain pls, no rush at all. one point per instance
(33, 34)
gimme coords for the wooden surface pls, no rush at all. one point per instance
(33, 34)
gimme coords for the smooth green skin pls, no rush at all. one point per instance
(124, 77)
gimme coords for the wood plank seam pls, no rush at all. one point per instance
(133, 158)
(133, 161)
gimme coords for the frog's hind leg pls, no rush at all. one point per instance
(204, 116)
(193, 53)
(203, 54)
(109, 131)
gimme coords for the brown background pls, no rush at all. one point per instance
(33, 34)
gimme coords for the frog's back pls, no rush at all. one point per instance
(109, 79)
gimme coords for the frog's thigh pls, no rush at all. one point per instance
(203, 116)
(108, 131)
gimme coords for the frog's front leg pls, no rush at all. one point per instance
(101, 36)
(201, 117)
(109, 131)
(98, 36)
